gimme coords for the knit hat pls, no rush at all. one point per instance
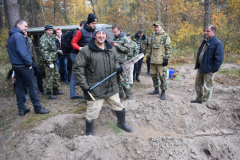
(48, 26)
(92, 18)
(140, 31)
(100, 28)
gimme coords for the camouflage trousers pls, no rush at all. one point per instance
(94, 107)
(123, 84)
(52, 77)
(204, 86)
(161, 71)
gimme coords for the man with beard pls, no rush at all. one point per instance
(81, 39)
(123, 50)
(96, 61)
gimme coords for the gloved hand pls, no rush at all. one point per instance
(165, 62)
(51, 66)
(86, 90)
(119, 70)
(60, 51)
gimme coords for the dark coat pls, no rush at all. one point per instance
(213, 56)
(143, 44)
(92, 65)
(18, 50)
(58, 44)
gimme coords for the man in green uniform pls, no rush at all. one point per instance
(49, 57)
(160, 50)
(132, 53)
(96, 61)
(123, 50)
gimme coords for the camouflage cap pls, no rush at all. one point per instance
(157, 23)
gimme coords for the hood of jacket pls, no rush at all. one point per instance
(94, 47)
(137, 37)
(121, 34)
(88, 28)
(14, 30)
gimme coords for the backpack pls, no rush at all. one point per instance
(66, 39)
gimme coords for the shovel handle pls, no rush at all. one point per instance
(91, 96)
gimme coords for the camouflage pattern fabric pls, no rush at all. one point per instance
(48, 49)
(160, 47)
(122, 49)
(143, 44)
(133, 50)
(124, 85)
(204, 86)
(161, 71)
(52, 77)
(32, 51)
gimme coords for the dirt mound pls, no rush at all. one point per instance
(171, 129)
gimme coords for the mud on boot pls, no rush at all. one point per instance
(51, 96)
(162, 97)
(156, 91)
(89, 127)
(121, 121)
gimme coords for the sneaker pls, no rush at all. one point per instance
(43, 93)
(26, 97)
(148, 74)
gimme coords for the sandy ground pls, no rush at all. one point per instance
(172, 129)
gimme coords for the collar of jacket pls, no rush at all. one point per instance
(137, 37)
(209, 41)
(88, 28)
(121, 34)
(49, 37)
(93, 46)
(161, 32)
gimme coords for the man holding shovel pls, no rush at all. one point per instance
(96, 61)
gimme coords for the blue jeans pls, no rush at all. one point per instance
(73, 80)
(62, 61)
(38, 75)
(137, 67)
(25, 76)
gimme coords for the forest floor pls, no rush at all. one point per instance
(170, 129)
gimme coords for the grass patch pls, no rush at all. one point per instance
(113, 126)
(4, 124)
(232, 73)
(35, 120)
(80, 109)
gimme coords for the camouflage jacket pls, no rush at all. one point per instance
(48, 49)
(133, 50)
(122, 49)
(143, 44)
(160, 47)
(32, 50)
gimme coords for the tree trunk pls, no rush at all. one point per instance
(21, 9)
(166, 19)
(140, 15)
(33, 14)
(44, 19)
(207, 13)
(65, 12)
(93, 7)
(97, 6)
(12, 12)
(1, 15)
(158, 10)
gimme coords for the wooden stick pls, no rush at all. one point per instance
(214, 114)
(91, 96)
(219, 128)
(215, 121)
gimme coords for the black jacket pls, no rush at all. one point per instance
(213, 56)
(58, 44)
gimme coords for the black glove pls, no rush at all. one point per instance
(86, 90)
(165, 62)
(119, 70)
